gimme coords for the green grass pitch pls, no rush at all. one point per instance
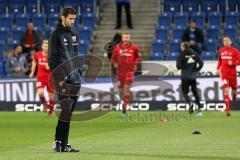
(29, 136)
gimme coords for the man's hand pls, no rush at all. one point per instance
(115, 65)
(135, 68)
(192, 42)
(27, 45)
(31, 75)
(47, 66)
(61, 83)
(217, 72)
(230, 63)
(18, 70)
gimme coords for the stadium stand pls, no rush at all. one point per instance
(215, 17)
(15, 14)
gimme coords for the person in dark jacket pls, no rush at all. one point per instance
(63, 62)
(194, 36)
(126, 4)
(31, 40)
(117, 38)
(190, 63)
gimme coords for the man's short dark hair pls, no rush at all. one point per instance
(226, 36)
(186, 45)
(68, 10)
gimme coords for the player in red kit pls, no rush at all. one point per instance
(229, 58)
(125, 59)
(43, 74)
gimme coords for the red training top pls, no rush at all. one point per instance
(127, 57)
(226, 54)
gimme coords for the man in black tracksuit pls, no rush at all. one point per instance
(189, 63)
(64, 64)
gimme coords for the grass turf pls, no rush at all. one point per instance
(29, 136)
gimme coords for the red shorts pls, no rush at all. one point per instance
(124, 78)
(42, 84)
(229, 81)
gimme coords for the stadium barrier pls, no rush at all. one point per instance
(155, 93)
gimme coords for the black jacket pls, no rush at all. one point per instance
(37, 39)
(190, 63)
(63, 49)
(198, 34)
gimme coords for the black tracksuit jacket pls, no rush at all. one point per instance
(63, 49)
(190, 63)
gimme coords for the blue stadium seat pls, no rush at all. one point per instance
(1, 49)
(178, 33)
(52, 19)
(156, 56)
(17, 33)
(238, 5)
(21, 20)
(87, 6)
(230, 7)
(6, 20)
(11, 44)
(89, 20)
(181, 19)
(214, 19)
(230, 31)
(2, 68)
(210, 46)
(39, 20)
(158, 47)
(172, 6)
(165, 19)
(161, 33)
(47, 31)
(190, 5)
(16, 6)
(71, 3)
(3, 6)
(4, 32)
(83, 47)
(222, 6)
(85, 33)
(209, 5)
(199, 17)
(208, 55)
(231, 19)
(212, 33)
(32, 7)
(174, 50)
(52, 6)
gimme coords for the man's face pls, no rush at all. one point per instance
(192, 25)
(30, 26)
(226, 41)
(45, 47)
(18, 50)
(126, 38)
(69, 20)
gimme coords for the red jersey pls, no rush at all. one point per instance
(42, 60)
(127, 58)
(226, 54)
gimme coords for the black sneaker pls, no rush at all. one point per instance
(57, 147)
(68, 148)
(228, 114)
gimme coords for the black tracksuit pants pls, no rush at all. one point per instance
(185, 85)
(67, 98)
(119, 14)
